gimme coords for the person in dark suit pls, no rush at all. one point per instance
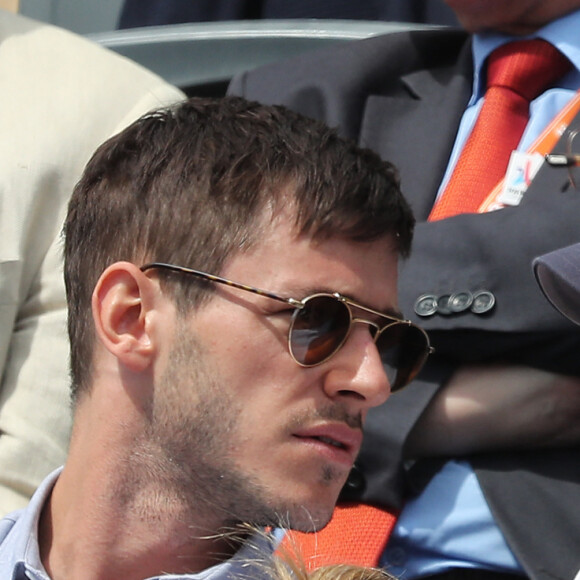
(480, 453)
(157, 12)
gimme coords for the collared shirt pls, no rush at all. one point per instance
(450, 524)
(563, 34)
(20, 555)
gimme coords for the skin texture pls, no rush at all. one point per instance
(498, 407)
(517, 17)
(195, 423)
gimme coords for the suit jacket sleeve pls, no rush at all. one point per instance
(61, 97)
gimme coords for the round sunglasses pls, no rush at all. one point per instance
(321, 324)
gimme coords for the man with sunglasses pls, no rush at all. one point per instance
(231, 273)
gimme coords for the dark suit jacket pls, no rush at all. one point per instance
(156, 12)
(403, 95)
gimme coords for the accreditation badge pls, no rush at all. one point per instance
(521, 170)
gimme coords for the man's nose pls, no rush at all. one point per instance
(356, 371)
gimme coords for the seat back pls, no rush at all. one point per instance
(201, 58)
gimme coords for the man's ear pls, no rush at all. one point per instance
(122, 301)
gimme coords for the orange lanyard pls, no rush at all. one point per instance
(542, 145)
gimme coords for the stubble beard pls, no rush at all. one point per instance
(192, 424)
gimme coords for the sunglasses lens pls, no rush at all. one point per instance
(318, 329)
(404, 349)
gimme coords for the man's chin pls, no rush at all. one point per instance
(312, 520)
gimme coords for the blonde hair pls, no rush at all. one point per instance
(283, 569)
(287, 563)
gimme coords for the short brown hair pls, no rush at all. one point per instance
(189, 184)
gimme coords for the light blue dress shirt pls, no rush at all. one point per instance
(564, 35)
(450, 524)
(20, 556)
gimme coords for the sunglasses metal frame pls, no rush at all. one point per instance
(567, 160)
(300, 304)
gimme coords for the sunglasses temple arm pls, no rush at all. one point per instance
(225, 281)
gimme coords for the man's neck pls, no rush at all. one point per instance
(117, 516)
(83, 536)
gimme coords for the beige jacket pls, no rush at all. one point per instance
(60, 97)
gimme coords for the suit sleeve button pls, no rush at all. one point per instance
(426, 305)
(483, 301)
(443, 305)
(460, 301)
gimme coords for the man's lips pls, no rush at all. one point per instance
(340, 440)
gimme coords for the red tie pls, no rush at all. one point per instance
(517, 73)
(357, 534)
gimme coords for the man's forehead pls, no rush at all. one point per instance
(285, 239)
(299, 265)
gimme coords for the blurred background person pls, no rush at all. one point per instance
(61, 97)
(156, 12)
